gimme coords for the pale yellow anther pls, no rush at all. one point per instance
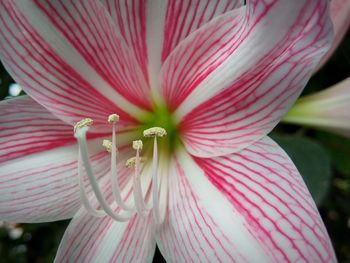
(113, 118)
(83, 123)
(137, 145)
(107, 144)
(131, 162)
(154, 131)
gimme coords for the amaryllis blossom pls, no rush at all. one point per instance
(327, 109)
(185, 93)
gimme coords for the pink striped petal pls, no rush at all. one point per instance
(340, 14)
(230, 82)
(252, 206)
(154, 28)
(26, 128)
(91, 239)
(69, 56)
(43, 187)
(38, 159)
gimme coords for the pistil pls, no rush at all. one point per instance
(155, 132)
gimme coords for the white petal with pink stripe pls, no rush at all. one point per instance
(92, 239)
(38, 158)
(27, 128)
(152, 29)
(252, 206)
(211, 79)
(43, 187)
(82, 67)
(232, 80)
(340, 14)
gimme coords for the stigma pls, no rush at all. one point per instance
(83, 123)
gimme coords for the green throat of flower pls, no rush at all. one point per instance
(161, 117)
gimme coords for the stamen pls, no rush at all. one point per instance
(81, 136)
(80, 130)
(154, 131)
(114, 178)
(108, 145)
(137, 145)
(130, 163)
(138, 194)
(83, 123)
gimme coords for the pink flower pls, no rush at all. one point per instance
(216, 76)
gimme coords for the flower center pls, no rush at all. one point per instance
(163, 118)
(120, 210)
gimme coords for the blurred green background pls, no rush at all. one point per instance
(322, 158)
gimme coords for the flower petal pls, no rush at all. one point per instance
(327, 109)
(89, 239)
(230, 81)
(251, 206)
(43, 186)
(69, 57)
(38, 159)
(154, 28)
(340, 14)
(26, 127)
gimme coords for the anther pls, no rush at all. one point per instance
(137, 145)
(131, 162)
(83, 123)
(154, 132)
(108, 145)
(113, 118)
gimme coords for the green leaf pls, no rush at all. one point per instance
(339, 150)
(312, 161)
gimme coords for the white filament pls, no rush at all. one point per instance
(163, 193)
(83, 195)
(138, 195)
(155, 182)
(81, 136)
(114, 178)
